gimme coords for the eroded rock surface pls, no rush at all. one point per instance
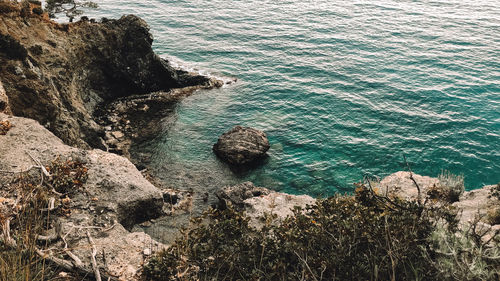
(478, 205)
(241, 145)
(235, 196)
(59, 74)
(114, 197)
(473, 206)
(401, 185)
(4, 100)
(258, 201)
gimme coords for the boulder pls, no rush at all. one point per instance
(235, 196)
(401, 185)
(241, 145)
(256, 202)
(114, 197)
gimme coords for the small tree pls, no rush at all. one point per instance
(70, 8)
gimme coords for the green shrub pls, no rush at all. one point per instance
(361, 237)
(450, 186)
(465, 255)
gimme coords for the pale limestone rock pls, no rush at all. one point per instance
(473, 206)
(115, 196)
(275, 203)
(258, 201)
(400, 185)
(476, 203)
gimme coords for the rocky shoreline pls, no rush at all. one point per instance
(116, 197)
(87, 91)
(62, 75)
(81, 91)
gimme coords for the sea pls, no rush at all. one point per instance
(344, 89)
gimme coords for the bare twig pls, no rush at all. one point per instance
(94, 262)
(419, 198)
(44, 171)
(19, 172)
(383, 198)
(6, 234)
(51, 205)
(47, 238)
(307, 266)
(78, 262)
(77, 267)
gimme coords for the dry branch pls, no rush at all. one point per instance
(94, 262)
(419, 196)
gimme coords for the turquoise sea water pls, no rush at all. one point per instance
(342, 88)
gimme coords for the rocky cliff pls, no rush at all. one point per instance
(113, 198)
(60, 74)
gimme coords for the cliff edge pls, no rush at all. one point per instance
(60, 74)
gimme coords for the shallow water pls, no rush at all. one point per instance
(342, 88)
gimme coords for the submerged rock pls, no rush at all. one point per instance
(241, 145)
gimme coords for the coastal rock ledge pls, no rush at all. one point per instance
(63, 74)
(241, 145)
(114, 197)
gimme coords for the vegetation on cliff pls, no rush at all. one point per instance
(361, 237)
(35, 209)
(109, 59)
(70, 8)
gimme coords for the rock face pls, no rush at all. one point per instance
(257, 201)
(114, 197)
(58, 74)
(118, 186)
(477, 203)
(4, 100)
(401, 185)
(236, 195)
(241, 145)
(472, 206)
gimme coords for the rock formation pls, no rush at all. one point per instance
(472, 206)
(241, 145)
(114, 197)
(4, 100)
(400, 184)
(258, 201)
(59, 74)
(235, 196)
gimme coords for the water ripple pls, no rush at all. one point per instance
(343, 88)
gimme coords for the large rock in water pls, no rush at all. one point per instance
(241, 145)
